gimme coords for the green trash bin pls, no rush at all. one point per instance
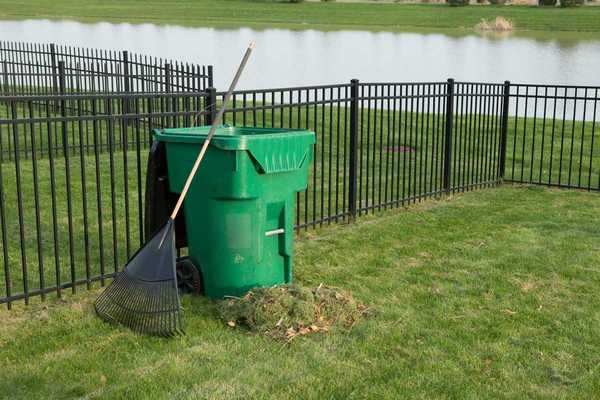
(239, 211)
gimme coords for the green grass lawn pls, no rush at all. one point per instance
(489, 294)
(329, 15)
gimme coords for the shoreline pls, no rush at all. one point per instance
(326, 16)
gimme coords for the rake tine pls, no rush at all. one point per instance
(147, 317)
(136, 313)
(158, 324)
(147, 320)
(170, 317)
(129, 304)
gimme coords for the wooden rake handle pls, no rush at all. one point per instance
(211, 133)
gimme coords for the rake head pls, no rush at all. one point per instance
(144, 296)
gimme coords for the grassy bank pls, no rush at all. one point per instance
(364, 16)
(491, 294)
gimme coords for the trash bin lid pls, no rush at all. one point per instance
(231, 137)
(275, 149)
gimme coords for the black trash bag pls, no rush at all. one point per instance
(159, 200)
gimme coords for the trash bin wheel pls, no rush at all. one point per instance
(189, 279)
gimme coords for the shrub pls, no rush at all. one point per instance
(497, 25)
(547, 2)
(497, 2)
(571, 3)
(456, 3)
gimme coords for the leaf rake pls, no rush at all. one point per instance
(144, 296)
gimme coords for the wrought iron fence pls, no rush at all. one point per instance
(71, 208)
(33, 68)
(382, 145)
(553, 133)
(129, 109)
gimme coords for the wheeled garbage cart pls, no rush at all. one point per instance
(239, 212)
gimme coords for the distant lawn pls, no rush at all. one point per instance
(314, 15)
(490, 294)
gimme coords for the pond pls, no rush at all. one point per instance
(295, 58)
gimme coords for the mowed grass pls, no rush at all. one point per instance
(308, 15)
(489, 294)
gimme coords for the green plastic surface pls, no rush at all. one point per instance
(244, 189)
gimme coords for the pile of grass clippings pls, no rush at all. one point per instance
(288, 311)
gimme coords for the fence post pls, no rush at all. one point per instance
(6, 91)
(168, 120)
(210, 76)
(125, 59)
(63, 105)
(5, 85)
(210, 111)
(61, 78)
(448, 133)
(352, 183)
(126, 82)
(54, 72)
(167, 78)
(504, 133)
(54, 67)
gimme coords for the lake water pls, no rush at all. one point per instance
(307, 57)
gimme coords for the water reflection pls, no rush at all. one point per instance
(291, 58)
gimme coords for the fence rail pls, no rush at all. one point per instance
(72, 202)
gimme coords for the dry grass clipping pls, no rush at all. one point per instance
(500, 24)
(288, 311)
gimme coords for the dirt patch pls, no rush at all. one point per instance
(528, 285)
(288, 311)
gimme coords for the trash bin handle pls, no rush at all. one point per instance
(274, 232)
(211, 133)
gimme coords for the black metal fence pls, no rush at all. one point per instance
(553, 136)
(71, 210)
(33, 68)
(382, 145)
(136, 108)
(71, 207)
(49, 69)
